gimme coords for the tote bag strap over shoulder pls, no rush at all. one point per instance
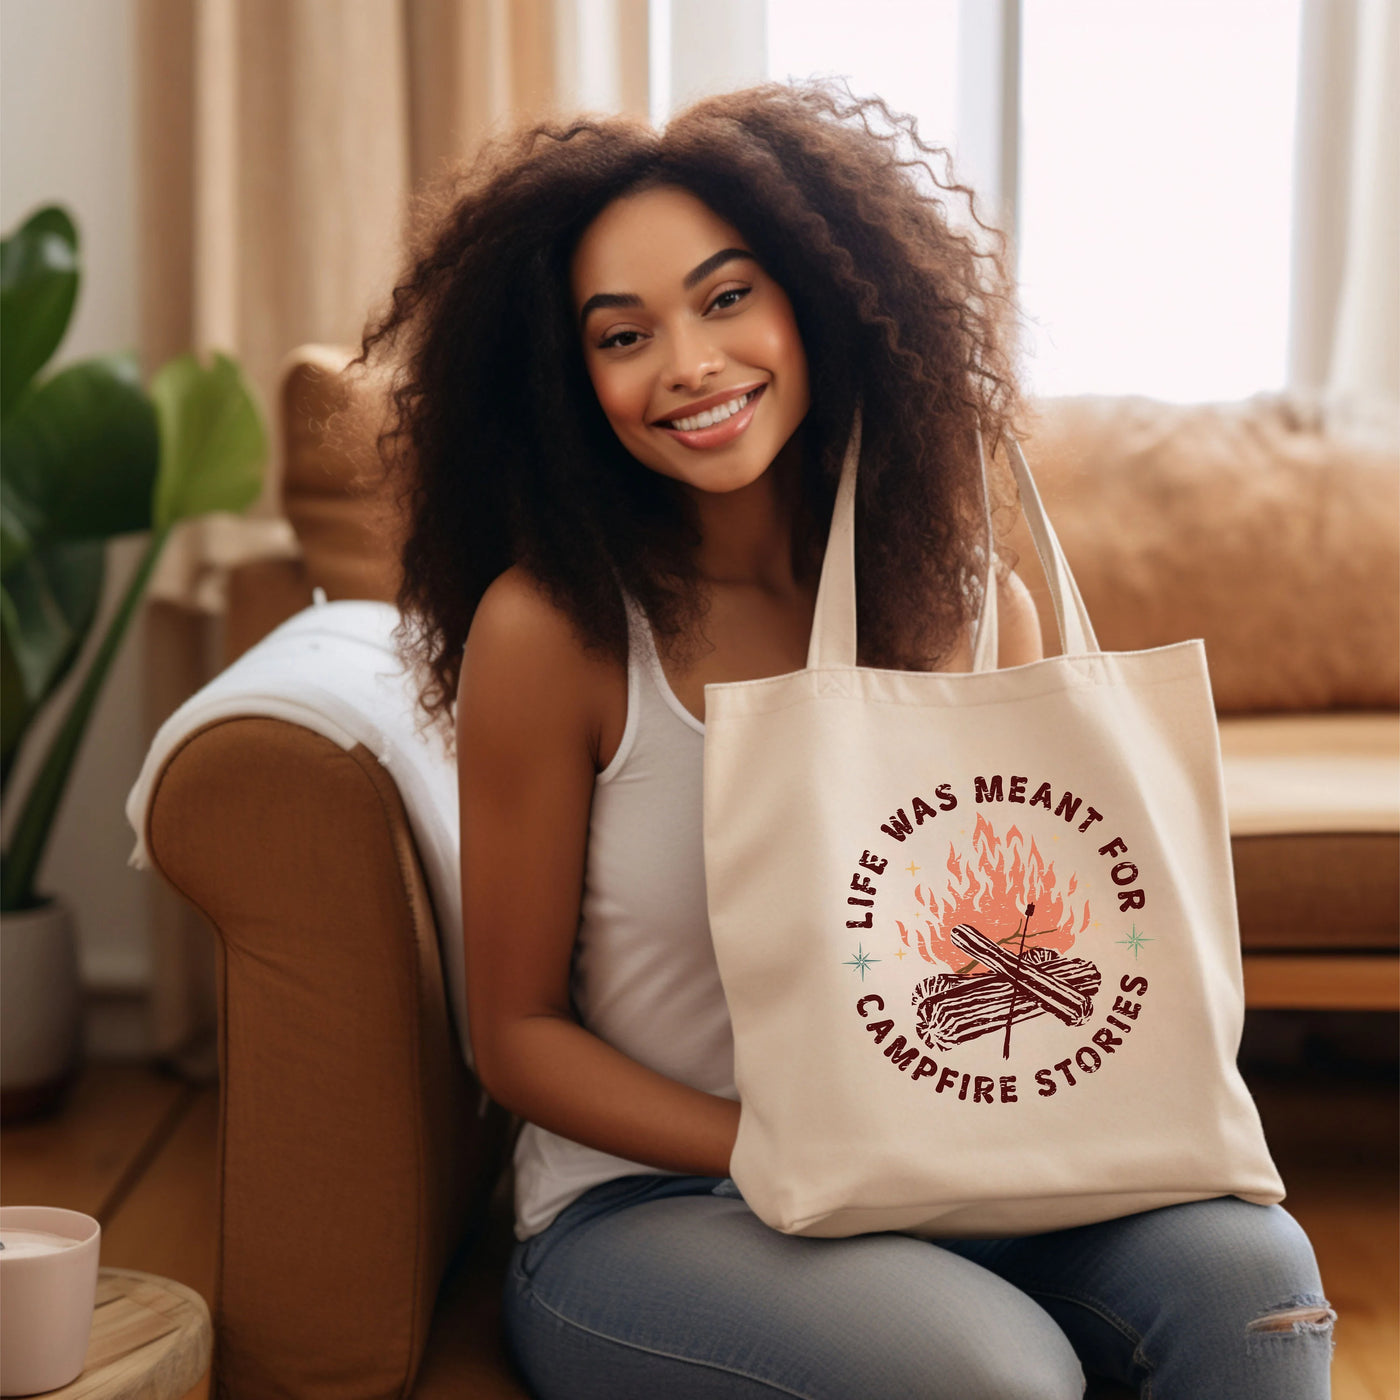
(833, 640)
(984, 652)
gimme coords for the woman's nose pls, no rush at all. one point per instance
(694, 358)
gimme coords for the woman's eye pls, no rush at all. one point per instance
(737, 293)
(620, 338)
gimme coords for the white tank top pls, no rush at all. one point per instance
(644, 977)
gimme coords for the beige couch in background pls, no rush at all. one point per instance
(364, 1213)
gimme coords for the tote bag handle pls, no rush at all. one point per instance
(833, 640)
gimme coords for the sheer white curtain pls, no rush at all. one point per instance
(1344, 347)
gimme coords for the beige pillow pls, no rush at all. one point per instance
(1239, 523)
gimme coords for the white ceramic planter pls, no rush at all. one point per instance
(40, 1007)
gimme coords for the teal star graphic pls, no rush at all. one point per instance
(1135, 940)
(861, 960)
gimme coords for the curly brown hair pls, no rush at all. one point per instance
(500, 450)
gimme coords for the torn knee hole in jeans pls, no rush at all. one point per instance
(1308, 1312)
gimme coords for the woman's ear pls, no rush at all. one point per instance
(1018, 623)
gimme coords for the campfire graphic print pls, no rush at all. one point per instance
(1000, 926)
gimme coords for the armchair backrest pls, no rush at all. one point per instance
(339, 506)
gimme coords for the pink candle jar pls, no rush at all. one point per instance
(48, 1287)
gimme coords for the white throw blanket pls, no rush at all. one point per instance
(333, 669)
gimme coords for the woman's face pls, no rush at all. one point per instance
(692, 348)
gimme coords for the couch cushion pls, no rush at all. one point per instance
(1318, 893)
(1238, 523)
(1314, 810)
(1325, 773)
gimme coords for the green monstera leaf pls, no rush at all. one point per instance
(92, 457)
(89, 454)
(81, 453)
(212, 441)
(39, 274)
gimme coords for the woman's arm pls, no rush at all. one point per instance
(526, 753)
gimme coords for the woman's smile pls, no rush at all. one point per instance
(715, 426)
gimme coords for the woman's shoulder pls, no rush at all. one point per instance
(517, 603)
(1019, 637)
(525, 664)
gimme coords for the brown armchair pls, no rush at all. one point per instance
(364, 1215)
(363, 1180)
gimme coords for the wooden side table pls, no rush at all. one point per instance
(151, 1340)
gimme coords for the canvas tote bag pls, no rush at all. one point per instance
(977, 930)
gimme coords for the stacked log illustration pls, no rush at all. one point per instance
(951, 1010)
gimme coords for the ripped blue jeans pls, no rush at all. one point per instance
(669, 1286)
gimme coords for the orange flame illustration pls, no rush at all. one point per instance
(990, 891)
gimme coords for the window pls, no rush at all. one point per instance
(1156, 195)
(1152, 166)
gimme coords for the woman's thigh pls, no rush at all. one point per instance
(659, 1287)
(1206, 1300)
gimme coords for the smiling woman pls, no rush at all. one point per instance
(634, 360)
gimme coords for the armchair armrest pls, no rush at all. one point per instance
(353, 1161)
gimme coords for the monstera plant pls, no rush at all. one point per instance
(86, 454)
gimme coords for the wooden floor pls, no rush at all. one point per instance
(135, 1149)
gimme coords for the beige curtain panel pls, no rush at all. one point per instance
(278, 143)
